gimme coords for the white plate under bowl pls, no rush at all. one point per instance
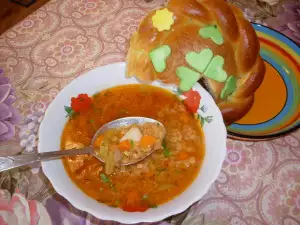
(109, 76)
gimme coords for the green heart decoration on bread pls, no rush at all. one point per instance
(159, 57)
(188, 78)
(199, 61)
(215, 70)
(229, 87)
(213, 33)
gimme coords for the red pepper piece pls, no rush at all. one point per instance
(81, 103)
(135, 208)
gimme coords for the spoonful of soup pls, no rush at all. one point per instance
(127, 141)
(122, 142)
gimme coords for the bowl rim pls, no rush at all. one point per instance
(156, 216)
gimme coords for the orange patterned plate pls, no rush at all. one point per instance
(276, 109)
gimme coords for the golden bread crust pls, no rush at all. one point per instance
(240, 50)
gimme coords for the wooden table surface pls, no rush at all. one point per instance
(11, 13)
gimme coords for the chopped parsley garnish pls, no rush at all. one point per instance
(132, 143)
(153, 206)
(70, 112)
(106, 180)
(145, 196)
(166, 150)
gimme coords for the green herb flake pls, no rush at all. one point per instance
(145, 196)
(113, 187)
(164, 144)
(92, 121)
(153, 206)
(70, 112)
(166, 150)
(117, 202)
(104, 178)
(68, 109)
(132, 143)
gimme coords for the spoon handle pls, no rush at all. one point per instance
(10, 162)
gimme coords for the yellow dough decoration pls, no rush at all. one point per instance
(162, 19)
(209, 42)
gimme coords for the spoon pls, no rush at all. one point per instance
(10, 162)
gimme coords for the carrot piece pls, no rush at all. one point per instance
(124, 145)
(182, 156)
(98, 141)
(147, 141)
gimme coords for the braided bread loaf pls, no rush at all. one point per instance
(240, 51)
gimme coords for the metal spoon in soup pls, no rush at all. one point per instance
(122, 142)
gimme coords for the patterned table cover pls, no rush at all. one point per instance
(259, 183)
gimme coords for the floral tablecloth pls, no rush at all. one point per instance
(259, 183)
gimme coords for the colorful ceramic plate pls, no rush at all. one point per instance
(276, 109)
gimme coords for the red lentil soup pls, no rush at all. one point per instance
(157, 179)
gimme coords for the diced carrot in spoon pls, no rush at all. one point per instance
(124, 145)
(147, 141)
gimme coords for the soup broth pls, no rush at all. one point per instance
(155, 180)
